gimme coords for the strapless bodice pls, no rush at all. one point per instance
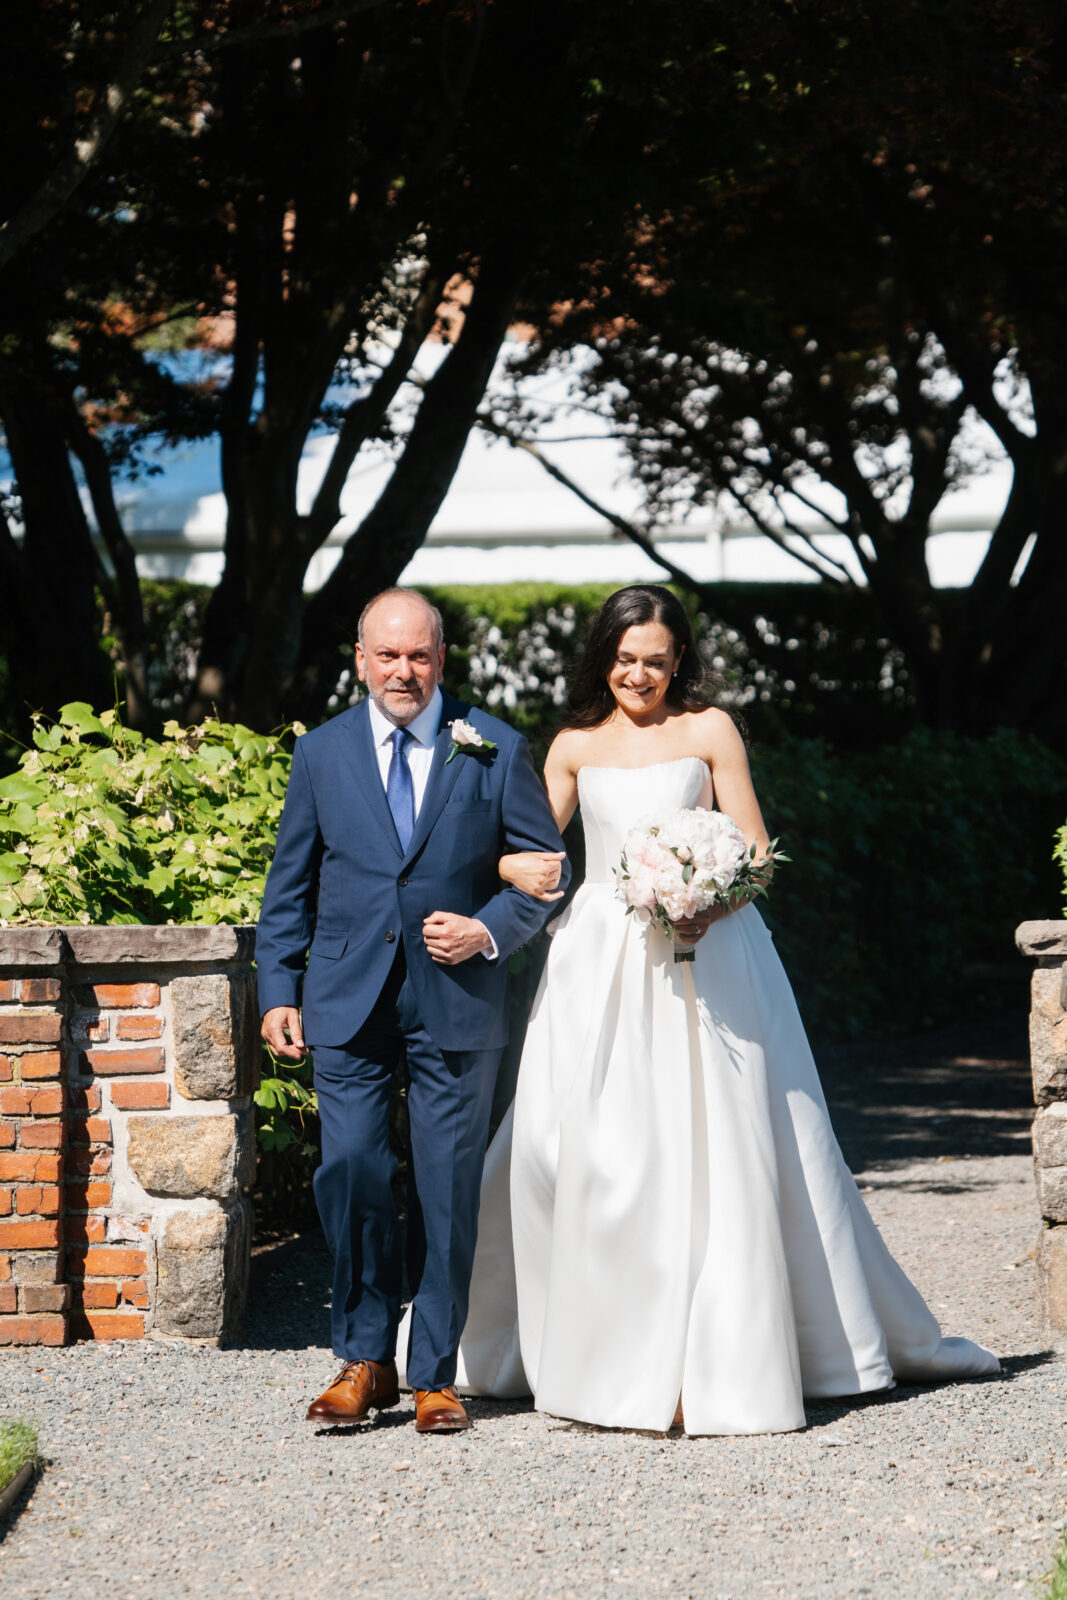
(615, 799)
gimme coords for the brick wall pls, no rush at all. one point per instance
(127, 1062)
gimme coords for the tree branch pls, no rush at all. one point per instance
(364, 417)
(840, 576)
(76, 164)
(394, 528)
(124, 596)
(835, 522)
(628, 529)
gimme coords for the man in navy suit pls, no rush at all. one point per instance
(386, 866)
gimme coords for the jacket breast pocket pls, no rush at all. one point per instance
(461, 808)
(330, 945)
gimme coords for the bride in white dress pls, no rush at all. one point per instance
(668, 1229)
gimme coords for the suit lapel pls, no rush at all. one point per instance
(443, 775)
(362, 762)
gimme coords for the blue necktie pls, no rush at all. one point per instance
(399, 789)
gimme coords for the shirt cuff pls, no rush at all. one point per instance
(492, 953)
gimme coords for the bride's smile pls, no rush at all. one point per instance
(643, 668)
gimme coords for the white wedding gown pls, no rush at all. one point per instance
(679, 1219)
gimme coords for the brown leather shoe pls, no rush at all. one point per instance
(439, 1411)
(359, 1387)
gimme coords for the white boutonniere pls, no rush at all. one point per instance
(466, 740)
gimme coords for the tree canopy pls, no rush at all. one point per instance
(882, 261)
(803, 252)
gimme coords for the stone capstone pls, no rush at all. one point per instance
(155, 944)
(203, 1262)
(32, 947)
(1042, 939)
(216, 1035)
(1048, 1035)
(190, 1156)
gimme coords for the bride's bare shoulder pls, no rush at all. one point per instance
(567, 751)
(715, 732)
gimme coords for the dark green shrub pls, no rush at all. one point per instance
(910, 864)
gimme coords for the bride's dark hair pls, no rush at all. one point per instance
(590, 701)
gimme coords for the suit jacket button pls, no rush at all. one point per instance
(403, 882)
(390, 936)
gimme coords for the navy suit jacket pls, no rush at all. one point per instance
(341, 884)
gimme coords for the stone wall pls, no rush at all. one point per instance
(128, 1057)
(1046, 943)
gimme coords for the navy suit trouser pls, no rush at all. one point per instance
(450, 1096)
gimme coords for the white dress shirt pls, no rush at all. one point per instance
(420, 759)
(420, 754)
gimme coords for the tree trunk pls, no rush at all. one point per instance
(377, 553)
(55, 653)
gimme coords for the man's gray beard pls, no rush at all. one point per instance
(390, 716)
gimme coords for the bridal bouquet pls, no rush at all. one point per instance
(688, 861)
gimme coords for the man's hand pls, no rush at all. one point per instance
(451, 939)
(278, 1022)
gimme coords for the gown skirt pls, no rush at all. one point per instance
(665, 1210)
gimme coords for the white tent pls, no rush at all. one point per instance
(505, 520)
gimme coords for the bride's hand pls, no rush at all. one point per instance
(692, 929)
(535, 872)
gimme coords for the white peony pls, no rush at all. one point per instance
(465, 733)
(679, 863)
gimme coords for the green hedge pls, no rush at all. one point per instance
(798, 658)
(910, 865)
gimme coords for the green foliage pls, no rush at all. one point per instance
(910, 864)
(287, 1132)
(1057, 1579)
(18, 1444)
(1059, 855)
(800, 658)
(797, 658)
(286, 1100)
(102, 825)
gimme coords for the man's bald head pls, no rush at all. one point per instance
(400, 653)
(397, 597)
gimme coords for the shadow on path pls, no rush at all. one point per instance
(964, 1091)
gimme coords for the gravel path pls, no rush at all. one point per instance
(180, 1472)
